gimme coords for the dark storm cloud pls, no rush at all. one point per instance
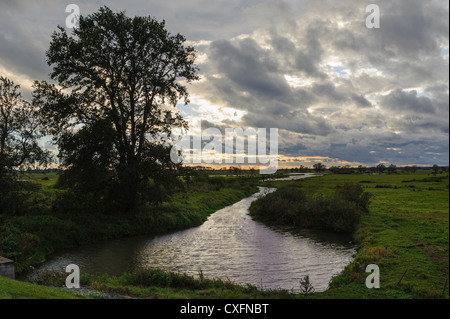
(328, 90)
(360, 100)
(311, 68)
(246, 66)
(399, 100)
(413, 28)
(310, 56)
(293, 122)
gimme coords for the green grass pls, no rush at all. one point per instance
(13, 289)
(159, 284)
(406, 229)
(47, 181)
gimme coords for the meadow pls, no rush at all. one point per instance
(405, 233)
(405, 230)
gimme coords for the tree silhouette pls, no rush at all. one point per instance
(381, 168)
(319, 167)
(392, 168)
(18, 139)
(113, 112)
(435, 168)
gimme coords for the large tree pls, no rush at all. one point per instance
(112, 110)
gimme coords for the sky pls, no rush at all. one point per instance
(339, 92)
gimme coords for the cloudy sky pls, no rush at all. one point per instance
(338, 92)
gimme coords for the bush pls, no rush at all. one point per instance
(279, 206)
(330, 213)
(289, 205)
(354, 193)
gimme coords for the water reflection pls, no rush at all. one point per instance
(229, 245)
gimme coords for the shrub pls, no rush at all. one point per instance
(291, 206)
(354, 193)
(280, 206)
(53, 278)
(330, 213)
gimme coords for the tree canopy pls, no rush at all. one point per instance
(112, 110)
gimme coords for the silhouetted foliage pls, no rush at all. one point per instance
(381, 168)
(113, 112)
(18, 142)
(319, 167)
(392, 169)
(435, 168)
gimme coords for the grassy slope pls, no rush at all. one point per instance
(13, 289)
(407, 229)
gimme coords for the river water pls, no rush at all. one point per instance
(228, 245)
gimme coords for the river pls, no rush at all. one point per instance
(228, 245)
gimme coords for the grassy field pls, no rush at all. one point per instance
(13, 289)
(406, 230)
(405, 233)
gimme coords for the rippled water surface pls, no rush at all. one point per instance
(229, 245)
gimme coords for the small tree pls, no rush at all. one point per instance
(305, 285)
(435, 169)
(319, 167)
(18, 130)
(381, 168)
(18, 139)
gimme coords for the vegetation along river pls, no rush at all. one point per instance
(229, 245)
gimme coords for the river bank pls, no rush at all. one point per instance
(405, 233)
(229, 245)
(29, 237)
